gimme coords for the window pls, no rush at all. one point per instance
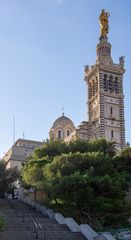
(68, 133)
(105, 82)
(90, 90)
(111, 85)
(96, 84)
(59, 134)
(93, 88)
(111, 110)
(112, 133)
(116, 85)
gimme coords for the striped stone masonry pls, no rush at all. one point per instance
(104, 81)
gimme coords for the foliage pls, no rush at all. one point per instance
(32, 173)
(2, 223)
(7, 176)
(123, 161)
(100, 145)
(90, 181)
(89, 176)
(51, 149)
(56, 148)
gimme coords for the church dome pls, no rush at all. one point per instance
(63, 121)
(62, 128)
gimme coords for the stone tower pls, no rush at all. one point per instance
(105, 91)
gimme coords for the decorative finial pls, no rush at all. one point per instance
(23, 135)
(63, 111)
(104, 27)
(122, 60)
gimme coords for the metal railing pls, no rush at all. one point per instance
(46, 234)
(40, 231)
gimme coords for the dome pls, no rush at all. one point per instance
(63, 121)
(62, 128)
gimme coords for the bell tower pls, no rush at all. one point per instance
(105, 91)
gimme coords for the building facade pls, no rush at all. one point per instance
(105, 103)
(18, 153)
(105, 92)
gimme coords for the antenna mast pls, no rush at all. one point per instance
(13, 129)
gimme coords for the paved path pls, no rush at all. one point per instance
(25, 223)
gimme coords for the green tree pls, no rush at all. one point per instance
(89, 182)
(56, 148)
(7, 177)
(122, 161)
(32, 174)
(51, 149)
(88, 176)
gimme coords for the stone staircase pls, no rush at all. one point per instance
(25, 223)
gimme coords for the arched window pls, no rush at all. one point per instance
(105, 82)
(111, 110)
(112, 134)
(111, 85)
(59, 134)
(90, 90)
(116, 85)
(93, 88)
(68, 132)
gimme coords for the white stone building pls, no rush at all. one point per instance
(18, 153)
(105, 103)
(104, 81)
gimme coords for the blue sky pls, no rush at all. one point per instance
(44, 45)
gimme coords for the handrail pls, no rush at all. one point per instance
(50, 237)
(36, 229)
(21, 211)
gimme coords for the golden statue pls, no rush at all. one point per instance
(104, 27)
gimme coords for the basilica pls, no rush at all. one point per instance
(104, 82)
(105, 108)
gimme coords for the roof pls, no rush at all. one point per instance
(63, 121)
(28, 141)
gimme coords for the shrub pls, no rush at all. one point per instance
(2, 223)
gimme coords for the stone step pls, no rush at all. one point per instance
(54, 227)
(61, 235)
(17, 235)
(20, 220)
(55, 235)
